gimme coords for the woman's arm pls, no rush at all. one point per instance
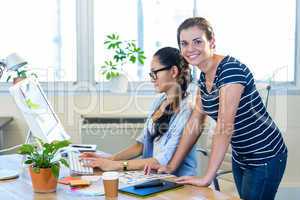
(229, 100)
(191, 133)
(126, 154)
(109, 165)
(131, 152)
(230, 96)
(116, 161)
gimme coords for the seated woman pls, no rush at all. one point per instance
(166, 120)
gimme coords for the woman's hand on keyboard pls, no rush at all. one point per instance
(102, 163)
(93, 155)
(89, 155)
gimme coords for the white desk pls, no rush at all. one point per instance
(21, 188)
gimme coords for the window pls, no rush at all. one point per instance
(115, 17)
(144, 21)
(161, 19)
(63, 40)
(43, 33)
(252, 31)
(261, 34)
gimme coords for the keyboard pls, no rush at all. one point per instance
(77, 165)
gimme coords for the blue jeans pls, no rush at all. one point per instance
(259, 183)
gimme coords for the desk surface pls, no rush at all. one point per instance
(21, 188)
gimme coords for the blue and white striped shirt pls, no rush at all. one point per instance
(255, 138)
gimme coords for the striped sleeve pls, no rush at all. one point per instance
(232, 73)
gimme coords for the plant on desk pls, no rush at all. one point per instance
(44, 161)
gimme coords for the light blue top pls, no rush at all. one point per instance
(165, 146)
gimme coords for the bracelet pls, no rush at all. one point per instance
(125, 165)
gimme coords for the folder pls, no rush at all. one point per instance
(150, 188)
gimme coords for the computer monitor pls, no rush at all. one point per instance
(37, 111)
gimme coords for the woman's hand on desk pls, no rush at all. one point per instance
(193, 180)
(102, 163)
(160, 169)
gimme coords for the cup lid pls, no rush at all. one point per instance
(110, 175)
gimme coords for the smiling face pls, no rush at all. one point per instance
(195, 47)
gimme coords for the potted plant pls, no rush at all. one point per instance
(19, 75)
(44, 163)
(123, 52)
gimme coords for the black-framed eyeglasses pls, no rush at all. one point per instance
(153, 74)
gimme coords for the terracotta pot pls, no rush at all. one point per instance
(44, 181)
(17, 79)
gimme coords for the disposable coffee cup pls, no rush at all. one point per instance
(111, 184)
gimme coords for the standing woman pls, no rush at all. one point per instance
(227, 93)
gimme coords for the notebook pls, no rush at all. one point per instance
(150, 187)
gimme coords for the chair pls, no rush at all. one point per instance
(264, 90)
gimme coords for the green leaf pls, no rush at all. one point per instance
(60, 144)
(132, 59)
(118, 44)
(55, 170)
(122, 52)
(8, 78)
(110, 37)
(108, 76)
(64, 162)
(26, 149)
(28, 162)
(141, 61)
(22, 73)
(41, 155)
(133, 45)
(32, 105)
(110, 46)
(142, 56)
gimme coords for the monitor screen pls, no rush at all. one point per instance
(38, 113)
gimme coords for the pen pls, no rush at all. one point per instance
(79, 146)
(148, 185)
